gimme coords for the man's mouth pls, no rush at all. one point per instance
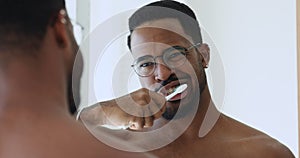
(170, 89)
(179, 93)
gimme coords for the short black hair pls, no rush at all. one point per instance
(25, 21)
(166, 9)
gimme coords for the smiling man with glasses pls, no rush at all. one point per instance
(166, 44)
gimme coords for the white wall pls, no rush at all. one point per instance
(71, 7)
(111, 16)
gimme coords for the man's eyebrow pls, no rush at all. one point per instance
(143, 57)
(176, 47)
(171, 48)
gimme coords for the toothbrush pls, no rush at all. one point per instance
(177, 90)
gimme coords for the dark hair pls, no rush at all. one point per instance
(24, 22)
(167, 9)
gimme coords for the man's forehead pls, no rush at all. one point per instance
(171, 24)
(168, 30)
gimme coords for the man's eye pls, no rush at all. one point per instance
(147, 64)
(174, 55)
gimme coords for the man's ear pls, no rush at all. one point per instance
(60, 29)
(205, 53)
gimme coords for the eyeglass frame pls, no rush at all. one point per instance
(155, 57)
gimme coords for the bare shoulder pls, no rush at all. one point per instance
(60, 136)
(262, 146)
(253, 142)
(271, 148)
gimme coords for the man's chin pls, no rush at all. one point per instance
(169, 114)
(174, 112)
(171, 109)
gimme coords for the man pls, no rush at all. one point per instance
(37, 53)
(166, 43)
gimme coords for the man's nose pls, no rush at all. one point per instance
(162, 72)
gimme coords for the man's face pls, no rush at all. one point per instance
(149, 40)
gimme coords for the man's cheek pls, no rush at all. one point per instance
(145, 82)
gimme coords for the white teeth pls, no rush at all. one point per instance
(171, 90)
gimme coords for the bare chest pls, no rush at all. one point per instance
(209, 149)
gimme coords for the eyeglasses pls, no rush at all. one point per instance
(173, 57)
(77, 31)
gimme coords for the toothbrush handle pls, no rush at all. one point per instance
(170, 96)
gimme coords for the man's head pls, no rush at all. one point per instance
(163, 33)
(24, 26)
(167, 9)
(24, 23)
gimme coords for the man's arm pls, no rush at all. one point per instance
(136, 111)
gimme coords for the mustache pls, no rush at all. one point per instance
(165, 82)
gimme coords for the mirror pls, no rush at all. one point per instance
(256, 44)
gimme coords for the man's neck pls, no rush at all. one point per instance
(24, 85)
(204, 119)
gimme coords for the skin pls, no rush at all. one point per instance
(34, 116)
(222, 136)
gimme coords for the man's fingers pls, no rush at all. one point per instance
(143, 107)
(158, 99)
(160, 103)
(157, 111)
(137, 123)
(149, 121)
(158, 114)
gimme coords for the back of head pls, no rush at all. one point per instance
(24, 22)
(167, 9)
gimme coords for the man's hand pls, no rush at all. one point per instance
(136, 110)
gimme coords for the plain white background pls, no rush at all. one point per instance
(256, 42)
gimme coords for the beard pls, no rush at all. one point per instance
(172, 112)
(182, 110)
